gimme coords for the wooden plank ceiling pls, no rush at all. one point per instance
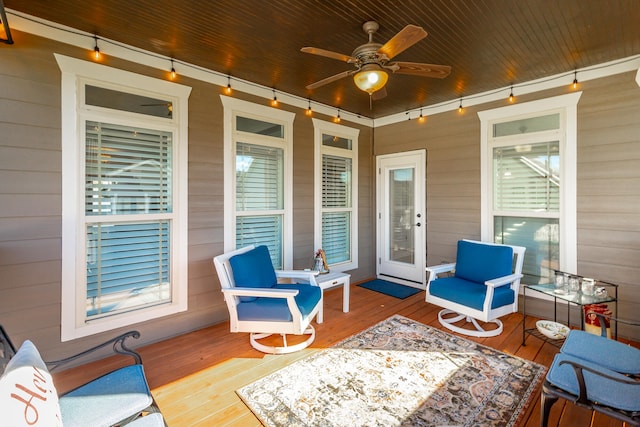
(489, 44)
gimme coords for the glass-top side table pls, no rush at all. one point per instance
(576, 298)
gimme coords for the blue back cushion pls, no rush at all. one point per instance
(253, 269)
(478, 263)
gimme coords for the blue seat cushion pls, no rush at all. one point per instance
(253, 269)
(478, 262)
(599, 389)
(605, 352)
(276, 309)
(107, 400)
(470, 294)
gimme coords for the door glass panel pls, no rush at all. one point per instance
(401, 215)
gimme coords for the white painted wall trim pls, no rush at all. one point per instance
(623, 65)
(320, 127)
(234, 105)
(568, 203)
(71, 36)
(73, 71)
(74, 37)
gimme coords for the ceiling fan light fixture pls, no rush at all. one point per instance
(371, 78)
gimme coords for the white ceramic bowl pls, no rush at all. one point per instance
(553, 330)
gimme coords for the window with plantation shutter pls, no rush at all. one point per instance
(527, 177)
(258, 183)
(124, 198)
(529, 185)
(336, 205)
(127, 172)
(260, 198)
(336, 190)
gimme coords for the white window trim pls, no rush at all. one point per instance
(322, 127)
(74, 72)
(567, 106)
(233, 106)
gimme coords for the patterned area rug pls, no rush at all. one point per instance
(397, 373)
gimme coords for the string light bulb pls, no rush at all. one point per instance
(421, 118)
(460, 108)
(228, 89)
(511, 97)
(309, 111)
(574, 85)
(274, 101)
(172, 74)
(96, 49)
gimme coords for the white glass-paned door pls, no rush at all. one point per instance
(401, 218)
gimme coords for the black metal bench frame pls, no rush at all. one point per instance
(8, 350)
(551, 393)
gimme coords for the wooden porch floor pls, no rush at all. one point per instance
(193, 377)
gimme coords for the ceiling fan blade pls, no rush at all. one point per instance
(379, 94)
(328, 54)
(331, 79)
(419, 69)
(407, 37)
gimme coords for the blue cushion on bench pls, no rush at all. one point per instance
(470, 294)
(276, 309)
(107, 400)
(477, 262)
(253, 269)
(611, 354)
(599, 389)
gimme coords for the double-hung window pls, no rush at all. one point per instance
(336, 194)
(258, 185)
(124, 198)
(529, 181)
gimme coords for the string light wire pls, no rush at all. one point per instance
(252, 84)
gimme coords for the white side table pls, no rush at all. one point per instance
(333, 280)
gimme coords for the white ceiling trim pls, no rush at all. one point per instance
(74, 37)
(606, 69)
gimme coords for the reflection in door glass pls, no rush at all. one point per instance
(402, 215)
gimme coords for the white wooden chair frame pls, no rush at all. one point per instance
(259, 330)
(487, 314)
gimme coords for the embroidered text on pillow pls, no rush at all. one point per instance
(30, 395)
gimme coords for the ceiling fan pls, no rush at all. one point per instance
(372, 61)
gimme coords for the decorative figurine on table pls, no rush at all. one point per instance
(320, 262)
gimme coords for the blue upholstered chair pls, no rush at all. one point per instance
(484, 286)
(262, 306)
(597, 373)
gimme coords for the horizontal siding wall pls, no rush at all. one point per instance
(608, 189)
(30, 198)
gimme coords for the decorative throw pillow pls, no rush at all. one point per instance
(27, 394)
